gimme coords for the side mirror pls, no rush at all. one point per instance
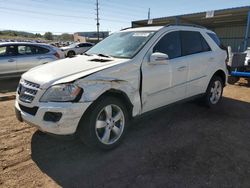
(158, 58)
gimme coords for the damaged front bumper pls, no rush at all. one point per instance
(52, 117)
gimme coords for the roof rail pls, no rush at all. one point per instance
(125, 28)
(189, 25)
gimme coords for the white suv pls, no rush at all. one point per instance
(125, 75)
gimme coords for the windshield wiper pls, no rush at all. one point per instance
(104, 55)
(87, 54)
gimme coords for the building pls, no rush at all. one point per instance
(232, 25)
(90, 36)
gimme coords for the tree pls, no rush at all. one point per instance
(48, 36)
(66, 37)
(38, 35)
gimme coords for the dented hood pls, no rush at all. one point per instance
(68, 69)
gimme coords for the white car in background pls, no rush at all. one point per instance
(76, 48)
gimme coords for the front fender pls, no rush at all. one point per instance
(94, 89)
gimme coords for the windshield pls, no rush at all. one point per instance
(73, 45)
(122, 44)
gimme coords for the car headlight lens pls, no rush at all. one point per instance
(62, 93)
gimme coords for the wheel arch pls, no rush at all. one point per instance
(119, 94)
(220, 73)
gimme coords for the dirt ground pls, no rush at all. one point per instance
(185, 145)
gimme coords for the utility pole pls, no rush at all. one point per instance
(97, 20)
(149, 14)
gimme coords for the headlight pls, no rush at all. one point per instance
(62, 93)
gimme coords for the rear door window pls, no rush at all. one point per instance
(205, 45)
(191, 42)
(169, 44)
(31, 50)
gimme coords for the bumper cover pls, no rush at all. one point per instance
(71, 115)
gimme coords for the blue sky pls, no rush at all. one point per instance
(60, 16)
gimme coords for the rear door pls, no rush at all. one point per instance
(8, 59)
(198, 56)
(30, 56)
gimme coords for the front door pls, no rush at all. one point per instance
(164, 83)
(8, 60)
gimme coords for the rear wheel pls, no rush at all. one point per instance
(105, 123)
(214, 92)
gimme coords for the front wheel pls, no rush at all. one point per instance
(214, 92)
(71, 54)
(105, 123)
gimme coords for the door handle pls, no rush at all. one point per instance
(11, 60)
(182, 68)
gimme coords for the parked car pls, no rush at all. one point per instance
(127, 74)
(18, 57)
(76, 48)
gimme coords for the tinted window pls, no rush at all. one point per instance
(88, 45)
(41, 50)
(205, 45)
(215, 38)
(191, 42)
(84, 45)
(170, 45)
(31, 50)
(9, 50)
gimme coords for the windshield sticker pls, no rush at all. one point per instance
(141, 34)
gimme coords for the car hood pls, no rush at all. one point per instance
(69, 69)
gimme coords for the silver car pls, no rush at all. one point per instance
(18, 57)
(76, 48)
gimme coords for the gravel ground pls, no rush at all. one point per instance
(184, 145)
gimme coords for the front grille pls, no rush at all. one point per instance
(27, 91)
(32, 111)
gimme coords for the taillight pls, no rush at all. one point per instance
(57, 55)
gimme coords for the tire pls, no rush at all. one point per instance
(214, 92)
(232, 80)
(105, 123)
(71, 54)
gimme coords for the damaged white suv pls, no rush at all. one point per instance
(129, 73)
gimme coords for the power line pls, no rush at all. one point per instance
(42, 13)
(41, 18)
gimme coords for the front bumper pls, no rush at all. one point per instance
(71, 115)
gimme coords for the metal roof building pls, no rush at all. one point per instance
(231, 25)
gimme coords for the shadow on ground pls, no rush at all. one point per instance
(8, 85)
(185, 145)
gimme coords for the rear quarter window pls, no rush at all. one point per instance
(215, 38)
